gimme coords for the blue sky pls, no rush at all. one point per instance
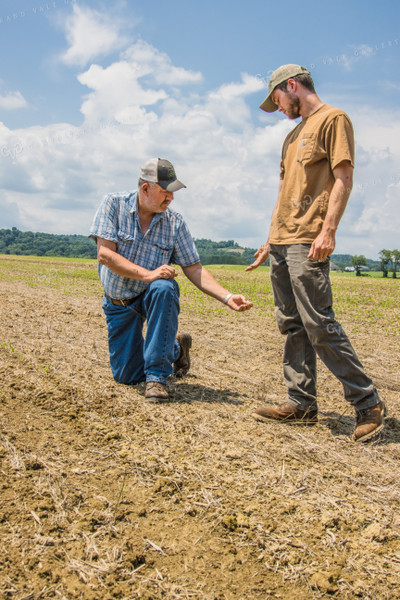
(90, 90)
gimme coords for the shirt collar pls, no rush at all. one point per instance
(132, 202)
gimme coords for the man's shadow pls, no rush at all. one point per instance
(343, 425)
(186, 392)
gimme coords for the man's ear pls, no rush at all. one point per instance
(291, 84)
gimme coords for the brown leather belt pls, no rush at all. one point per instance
(122, 302)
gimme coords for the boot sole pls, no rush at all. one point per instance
(306, 422)
(371, 435)
(156, 400)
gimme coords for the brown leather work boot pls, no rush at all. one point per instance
(287, 413)
(156, 392)
(370, 422)
(182, 365)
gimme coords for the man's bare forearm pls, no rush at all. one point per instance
(120, 265)
(108, 256)
(337, 202)
(324, 243)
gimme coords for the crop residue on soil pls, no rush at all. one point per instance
(103, 496)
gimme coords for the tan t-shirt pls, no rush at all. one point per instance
(309, 154)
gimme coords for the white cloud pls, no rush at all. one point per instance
(372, 218)
(147, 60)
(128, 118)
(12, 101)
(138, 79)
(232, 91)
(91, 34)
(224, 149)
(382, 216)
(9, 211)
(116, 91)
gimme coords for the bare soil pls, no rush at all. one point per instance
(104, 496)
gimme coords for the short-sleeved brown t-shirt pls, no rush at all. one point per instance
(310, 153)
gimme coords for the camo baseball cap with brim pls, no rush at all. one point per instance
(279, 76)
(161, 171)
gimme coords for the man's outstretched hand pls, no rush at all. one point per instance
(239, 303)
(261, 256)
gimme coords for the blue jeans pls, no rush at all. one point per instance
(132, 358)
(303, 300)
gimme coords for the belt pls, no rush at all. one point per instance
(122, 301)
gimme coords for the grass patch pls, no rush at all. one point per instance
(369, 302)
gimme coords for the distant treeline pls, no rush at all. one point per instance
(28, 243)
(346, 260)
(223, 253)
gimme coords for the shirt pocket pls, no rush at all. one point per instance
(163, 250)
(305, 147)
(160, 254)
(126, 243)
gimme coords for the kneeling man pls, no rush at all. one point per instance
(139, 239)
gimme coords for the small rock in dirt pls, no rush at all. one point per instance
(374, 532)
(242, 520)
(325, 582)
(229, 522)
(233, 454)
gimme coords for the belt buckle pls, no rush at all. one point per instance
(124, 302)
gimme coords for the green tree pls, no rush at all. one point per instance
(395, 261)
(386, 259)
(359, 261)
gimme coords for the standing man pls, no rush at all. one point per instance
(139, 238)
(315, 183)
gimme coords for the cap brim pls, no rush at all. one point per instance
(268, 105)
(171, 186)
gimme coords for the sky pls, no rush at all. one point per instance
(91, 90)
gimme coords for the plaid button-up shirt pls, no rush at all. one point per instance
(168, 240)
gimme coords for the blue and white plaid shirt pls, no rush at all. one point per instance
(168, 240)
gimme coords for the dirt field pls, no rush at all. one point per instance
(105, 497)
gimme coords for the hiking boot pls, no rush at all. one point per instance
(182, 365)
(370, 421)
(156, 392)
(287, 413)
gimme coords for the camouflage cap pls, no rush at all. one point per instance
(279, 76)
(161, 171)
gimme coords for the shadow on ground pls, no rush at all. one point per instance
(188, 393)
(341, 424)
(193, 392)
